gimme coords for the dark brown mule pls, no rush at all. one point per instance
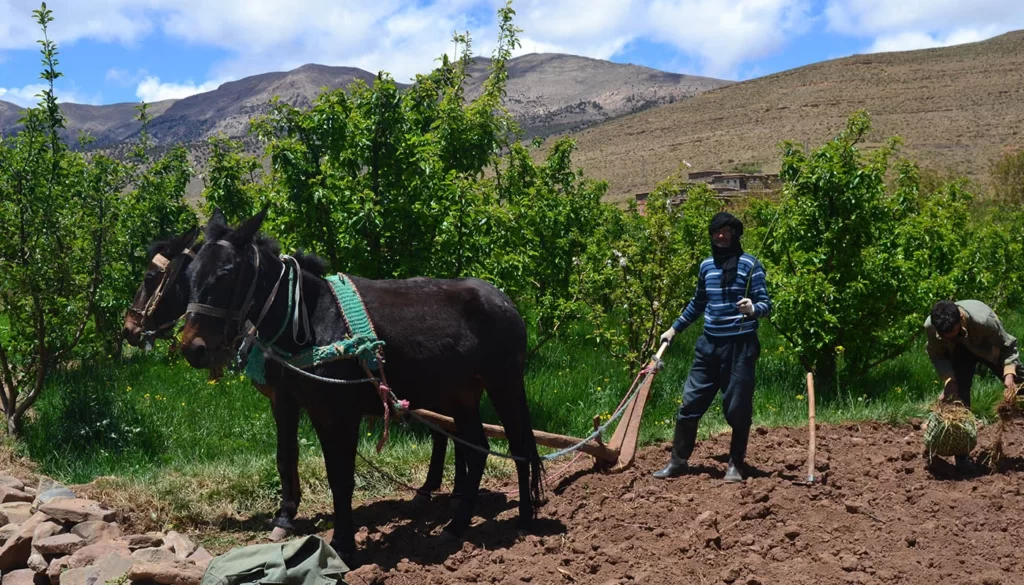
(446, 342)
(159, 304)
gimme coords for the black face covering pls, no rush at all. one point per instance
(726, 259)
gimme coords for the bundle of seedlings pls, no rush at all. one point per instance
(951, 430)
(1006, 410)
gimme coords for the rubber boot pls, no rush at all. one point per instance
(682, 446)
(737, 454)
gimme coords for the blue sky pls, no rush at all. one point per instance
(132, 50)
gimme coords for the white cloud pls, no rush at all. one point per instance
(151, 89)
(913, 40)
(918, 24)
(28, 95)
(722, 34)
(405, 38)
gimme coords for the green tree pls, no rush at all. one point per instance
(73, 229)
(855, 263)
(643, 268)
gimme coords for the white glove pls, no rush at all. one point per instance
(667, 336)
(746, 306)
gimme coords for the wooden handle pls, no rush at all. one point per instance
(810, 419)
(661, 350)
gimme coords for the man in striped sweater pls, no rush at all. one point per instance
(732, 296)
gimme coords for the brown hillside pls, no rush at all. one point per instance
(957, 108)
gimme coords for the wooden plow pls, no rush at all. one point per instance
(616, 456)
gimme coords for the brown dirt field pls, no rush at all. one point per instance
(957, 108)
(881, 516)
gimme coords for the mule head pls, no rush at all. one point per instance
(163, 293)
(222, 281)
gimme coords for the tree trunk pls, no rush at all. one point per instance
(826, 374)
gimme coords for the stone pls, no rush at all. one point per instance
(201, 557)
(50, 490)
(12, 482)
(57, 566)
(89, 554)
(60, 544)
(8, 531)
(15, 512)
(177, 572)
(20, 577)
(9, 494)
(37, 563)
(140, 541)
(180, 544)
(77, 510)
(15, 552)
(108, 568)
(154, 555)
(46, 530)
(97, 531)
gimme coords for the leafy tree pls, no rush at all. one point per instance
(856, 263)
(643, 268)
(72, 236)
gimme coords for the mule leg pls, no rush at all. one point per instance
(471, 430)
(460, 469)
(339, 438)
(438, 451)
(286, 417)
(508, 395)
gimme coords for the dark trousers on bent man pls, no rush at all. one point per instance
(965, 365)
(725, 364)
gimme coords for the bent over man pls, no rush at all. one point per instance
(732, 296)
(962, 335)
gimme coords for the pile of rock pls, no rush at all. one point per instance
(48, 536)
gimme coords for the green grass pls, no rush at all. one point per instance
(201, 450)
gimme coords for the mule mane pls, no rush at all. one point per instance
(308, 261)
(311, 263)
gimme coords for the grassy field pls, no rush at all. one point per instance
(154, 432)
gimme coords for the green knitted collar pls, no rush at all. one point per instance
(359, 342)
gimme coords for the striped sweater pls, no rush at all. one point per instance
(718, 305)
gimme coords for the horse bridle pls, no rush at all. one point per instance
(245, 329)
(169, 270)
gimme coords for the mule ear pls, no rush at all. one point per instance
(246, 230)
(218, 217)
(182, 242)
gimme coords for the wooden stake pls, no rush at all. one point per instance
(810, 419)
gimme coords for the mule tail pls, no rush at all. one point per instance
(536, 463)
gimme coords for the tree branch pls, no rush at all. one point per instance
(8, 379)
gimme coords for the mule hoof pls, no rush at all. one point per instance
(278, 534)
(421, 498)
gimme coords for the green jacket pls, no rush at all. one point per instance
(982, 334)
(305, 561)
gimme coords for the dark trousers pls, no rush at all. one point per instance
(965, 364)
(726, 364)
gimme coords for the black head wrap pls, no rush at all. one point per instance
(726, 259)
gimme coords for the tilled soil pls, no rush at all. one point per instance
(879, 514)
